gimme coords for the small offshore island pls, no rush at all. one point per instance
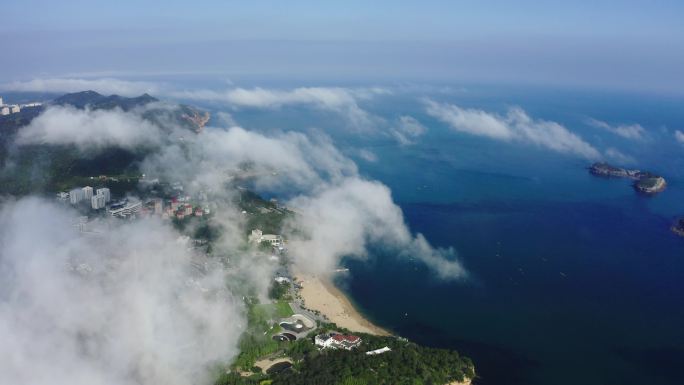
(678, 227)
(644, 182)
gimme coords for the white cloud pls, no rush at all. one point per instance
(618, 156)
(124, 306)
(345, 218)
(103, 85)
(89, 129)
(367, 155)
(407, 130)
(629, 131)
(337, 99)
(516, 125)
(338, 211)
(679, 136)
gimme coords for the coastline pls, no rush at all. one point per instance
(319, 293)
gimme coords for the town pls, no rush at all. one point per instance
(7, 109)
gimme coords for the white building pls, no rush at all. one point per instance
(14, 108)
(4, 110)
(1, 103)
(105, 192)
(97, 201)
(76, 195)
(378, 351)
(130, 208)
(337, 341)
(87, 192)
(258, 236)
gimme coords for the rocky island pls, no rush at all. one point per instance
(678, 227)
(644, 181)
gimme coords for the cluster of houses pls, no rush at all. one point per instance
(180, 208)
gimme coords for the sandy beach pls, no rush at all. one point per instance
(320, 294)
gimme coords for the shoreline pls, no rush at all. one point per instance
(319, 293)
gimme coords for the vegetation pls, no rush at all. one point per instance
(279, 291)
(407, 363)
(257, 341)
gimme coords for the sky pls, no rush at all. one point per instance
(634, 45)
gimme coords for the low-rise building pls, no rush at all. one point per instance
(125, 210)
(257, 236)
(337, 341)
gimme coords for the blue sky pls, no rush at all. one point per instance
(637, 45)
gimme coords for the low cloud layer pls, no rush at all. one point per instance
(679, 136)
(515, 125)
(88, 129)
(338, 212)
(344, 101)
(101, 85)
(407, 130)
(628, 131)
(123, 304)
(344, 219)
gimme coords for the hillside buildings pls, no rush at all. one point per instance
(6, 109)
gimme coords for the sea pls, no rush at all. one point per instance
(571, 279)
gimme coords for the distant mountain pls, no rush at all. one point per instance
(95, 100)
(42, 167)
(186, 116)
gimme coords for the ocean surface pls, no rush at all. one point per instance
(572, 279)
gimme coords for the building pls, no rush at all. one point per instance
(14, 109)
(4, 110)
(158, 206)
(63, 196)
(125, 210)
(378, 351)
(87, 192)
(97, 202)
(258, 236)
(337, 341)
(1, 103)
(199, 212)
(76, 195)
(187, 210)
(105, 192)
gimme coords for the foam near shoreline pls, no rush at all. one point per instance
(319, 293)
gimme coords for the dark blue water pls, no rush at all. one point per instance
(573, 279)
